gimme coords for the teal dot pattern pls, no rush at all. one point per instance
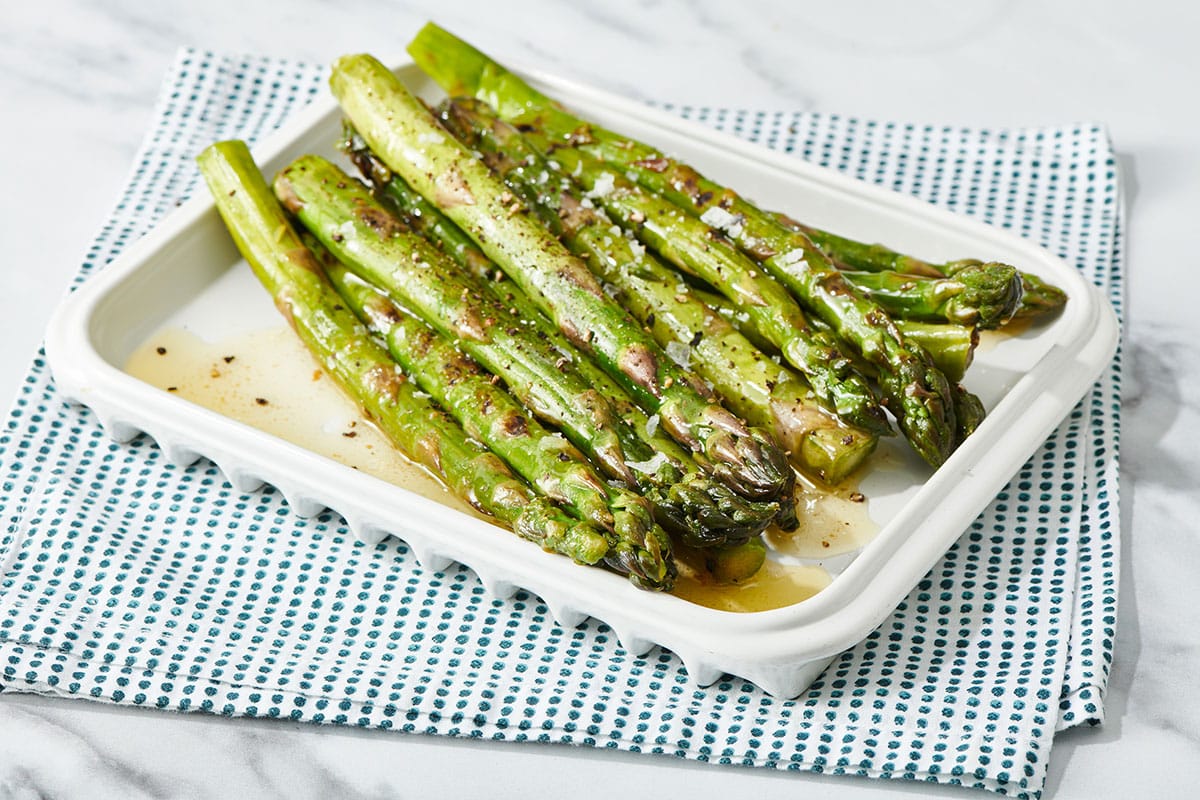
(128, 580)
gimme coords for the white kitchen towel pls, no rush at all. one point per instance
(128, 580)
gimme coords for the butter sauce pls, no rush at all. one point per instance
(776, 585)
(253, 377)
(268, 380)
(833, 521)
(989, 340)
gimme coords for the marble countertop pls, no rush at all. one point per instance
(77, 84)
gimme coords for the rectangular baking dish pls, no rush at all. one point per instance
(1029, 382)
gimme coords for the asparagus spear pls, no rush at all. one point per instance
(1037, 296)
(748, 381)
(364, 370)
(986, 295)
(383, 251)
(492, 416)
(952, 347)
(690, 503)
(860, 255)
(916, 392)
(407, 137)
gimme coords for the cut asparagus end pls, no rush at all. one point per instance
(725, 565)
(834, 454)
(952, 347)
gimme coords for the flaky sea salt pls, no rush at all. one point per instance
(792, 257)
(680, 353)
(650, 465)
(554, 441)
(416, 158)
(719, 218)
(603, 185)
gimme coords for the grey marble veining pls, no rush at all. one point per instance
(77, 84)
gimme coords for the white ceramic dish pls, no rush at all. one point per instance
(1030, 382)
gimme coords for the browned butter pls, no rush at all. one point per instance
(268, 380)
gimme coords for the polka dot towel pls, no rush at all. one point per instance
(128, 580)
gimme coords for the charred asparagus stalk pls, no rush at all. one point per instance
(693, 246)
(690, 503)
(860, 255)
(363, 369)
(342, 214)
(407, 137)
(747, 380)
(384, 251)
(492, 416)
(916, 391)
(952, 347)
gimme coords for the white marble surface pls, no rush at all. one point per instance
(77, 84)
